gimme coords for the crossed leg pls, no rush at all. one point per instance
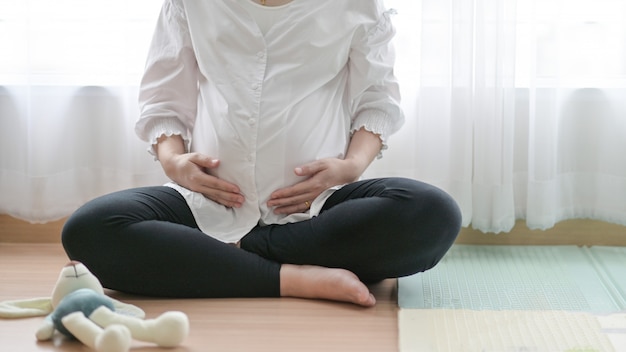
(145, 241)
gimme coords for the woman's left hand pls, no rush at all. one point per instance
(322, 174)
(325, 173)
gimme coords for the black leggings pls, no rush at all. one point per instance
(146, 241)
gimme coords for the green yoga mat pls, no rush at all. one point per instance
(521, 278)
(611, 265)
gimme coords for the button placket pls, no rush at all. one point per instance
(256, 86)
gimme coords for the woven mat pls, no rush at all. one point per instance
(517, 298)
(520, 278)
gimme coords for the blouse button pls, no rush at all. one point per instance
(255, 86)
(260, 54)
(251, 122)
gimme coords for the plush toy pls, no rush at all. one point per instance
(80, 309)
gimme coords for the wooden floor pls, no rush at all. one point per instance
(31, 258)
(30, 270)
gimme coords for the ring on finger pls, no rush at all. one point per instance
(308, 204)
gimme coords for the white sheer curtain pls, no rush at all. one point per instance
(517, 109)
(69, 71)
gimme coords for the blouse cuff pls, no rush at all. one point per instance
(375, 121)
(168, 127)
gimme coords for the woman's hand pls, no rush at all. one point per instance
(322, 174)
(188, 170)
(325, 173)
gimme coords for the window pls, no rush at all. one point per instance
(573, 43)
(74, 42)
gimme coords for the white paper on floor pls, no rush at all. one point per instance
(441, 330)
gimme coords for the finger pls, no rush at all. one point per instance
(204, 160)
(229, 199)
(202, 180)
(218, 190)
(309, 169)
(301, 207)
(228, 202)
(224, 190)
(294, 201)
(221, 185)
(278, 197)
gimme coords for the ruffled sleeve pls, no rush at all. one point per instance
(169, 88)
(374, 90)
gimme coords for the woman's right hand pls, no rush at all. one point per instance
(188, 170)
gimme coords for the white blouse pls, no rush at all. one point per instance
(266, 103)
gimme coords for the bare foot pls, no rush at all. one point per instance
(309, 281)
